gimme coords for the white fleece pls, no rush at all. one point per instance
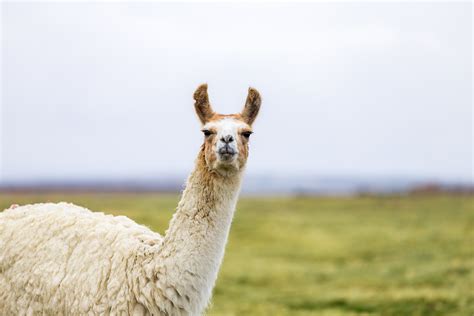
(62, 258)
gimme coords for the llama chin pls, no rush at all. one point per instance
(59, 258)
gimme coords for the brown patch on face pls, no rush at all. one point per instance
(208, 148)
(243, 146)
(217, 117)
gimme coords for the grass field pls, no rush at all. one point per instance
(328, 256)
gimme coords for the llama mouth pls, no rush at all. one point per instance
(226, 150)
(226, 157)
(226, 153)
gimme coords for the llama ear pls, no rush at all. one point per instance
(202, 105)
(252, 106)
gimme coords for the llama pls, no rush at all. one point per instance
(62, 259)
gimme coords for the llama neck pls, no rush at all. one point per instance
(193, 246)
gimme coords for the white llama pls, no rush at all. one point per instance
(62, 259)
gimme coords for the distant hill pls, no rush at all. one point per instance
(256, 184)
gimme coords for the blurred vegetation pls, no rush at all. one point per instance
(392, 255)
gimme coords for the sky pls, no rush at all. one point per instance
(104, 90)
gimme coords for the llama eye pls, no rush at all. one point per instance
(207, 132)
(246, 134)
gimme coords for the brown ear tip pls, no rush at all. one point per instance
(253, 90)
(254, 94)
(201, 91)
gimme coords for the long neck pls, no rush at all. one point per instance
(193, 246)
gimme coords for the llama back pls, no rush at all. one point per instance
(62, 255)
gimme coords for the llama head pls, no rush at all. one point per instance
(226, 136)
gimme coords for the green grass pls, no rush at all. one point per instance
(328, 256)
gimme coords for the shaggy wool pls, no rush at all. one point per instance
(62, 257)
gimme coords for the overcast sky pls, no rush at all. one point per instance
(94, 90)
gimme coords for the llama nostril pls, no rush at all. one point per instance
(227, 139)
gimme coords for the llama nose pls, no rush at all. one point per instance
(227, 139)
